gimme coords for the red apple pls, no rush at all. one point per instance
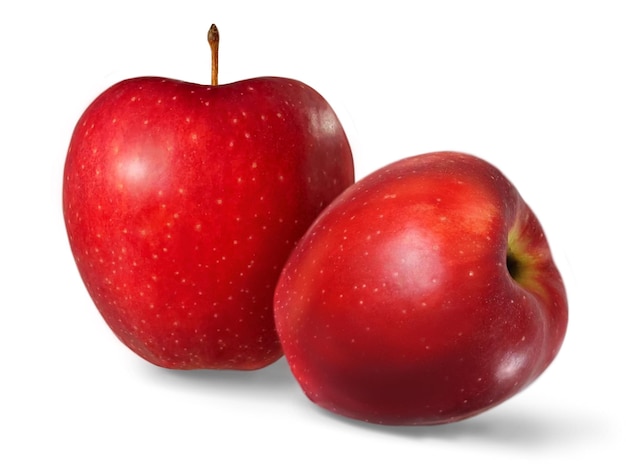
(426, 293)
(182, 202)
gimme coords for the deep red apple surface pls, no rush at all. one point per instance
(426, 293)
(182, 202)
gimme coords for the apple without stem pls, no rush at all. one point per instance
(426, 293)
(182, 202)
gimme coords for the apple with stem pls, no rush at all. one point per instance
(426, 293)
(182, 202)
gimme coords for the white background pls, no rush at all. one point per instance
(538, 88)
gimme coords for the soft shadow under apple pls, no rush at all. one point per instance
(275, 378)
(506, 426)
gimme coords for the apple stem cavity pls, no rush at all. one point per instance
(214, 43)
(513, 265)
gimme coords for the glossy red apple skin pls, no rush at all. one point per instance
(182, 202)
(397, 306)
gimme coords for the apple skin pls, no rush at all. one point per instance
(182, 202)
(426, 293)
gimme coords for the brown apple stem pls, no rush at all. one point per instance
(214, 42)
